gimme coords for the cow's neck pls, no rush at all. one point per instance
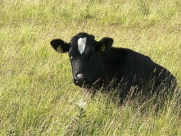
(101, 68)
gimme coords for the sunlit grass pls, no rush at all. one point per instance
(37, 96)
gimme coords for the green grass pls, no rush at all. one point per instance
(37, 96)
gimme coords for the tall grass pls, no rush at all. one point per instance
(37, 96)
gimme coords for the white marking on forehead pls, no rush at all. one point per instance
(81, 44)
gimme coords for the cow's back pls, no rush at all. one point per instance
(125, 65)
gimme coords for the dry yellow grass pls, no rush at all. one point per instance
(37, 96)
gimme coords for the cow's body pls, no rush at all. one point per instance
(98, 64)
(126, 66)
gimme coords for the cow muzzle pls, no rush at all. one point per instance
(79, 79)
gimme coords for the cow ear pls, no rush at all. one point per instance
(59, 45)
(104, 44)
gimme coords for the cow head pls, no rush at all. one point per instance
(83, 53)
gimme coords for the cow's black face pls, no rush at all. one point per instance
(83, 54)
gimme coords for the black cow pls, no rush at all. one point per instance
(97, 63)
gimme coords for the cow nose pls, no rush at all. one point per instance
(80, 78)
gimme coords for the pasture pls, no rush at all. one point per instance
(37, 95)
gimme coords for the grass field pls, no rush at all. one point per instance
(37, 95)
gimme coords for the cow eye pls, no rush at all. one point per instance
(71, 57)
(91, 57)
